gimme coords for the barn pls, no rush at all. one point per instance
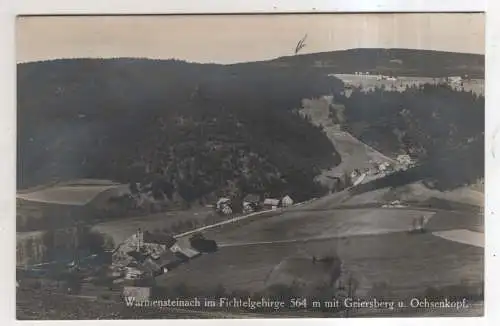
(271, 203)
(182, 248)
(168, 261)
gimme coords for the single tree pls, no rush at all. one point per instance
(300, 45)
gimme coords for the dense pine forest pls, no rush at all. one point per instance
(198, 128)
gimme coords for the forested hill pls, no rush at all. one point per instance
(400, 62)
(441, 127)
(201, 127)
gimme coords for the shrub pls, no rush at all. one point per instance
(282, 292)
(454, 292)
(181, 290)
(380, 290)
(241, 294)
(220, 291)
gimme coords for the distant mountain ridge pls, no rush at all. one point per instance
(404, 62)
(411, 62)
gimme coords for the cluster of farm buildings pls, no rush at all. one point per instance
(402, 162)
(147, 255)
(252, 203)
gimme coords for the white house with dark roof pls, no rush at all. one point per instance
(286, 201)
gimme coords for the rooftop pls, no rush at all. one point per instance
(159, 238)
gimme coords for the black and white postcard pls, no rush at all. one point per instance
(250, 166)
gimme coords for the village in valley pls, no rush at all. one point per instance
(131, 267)
(146, 255)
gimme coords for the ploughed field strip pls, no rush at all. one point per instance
(67, 195)
(473, 238)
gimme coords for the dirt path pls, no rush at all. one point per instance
(354, 153)
(211, 226)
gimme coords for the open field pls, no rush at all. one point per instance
(331, 223)
(341, 223)
(409, 264)
(75, 182)
(372, 243)
(79, 195)
(400, 84)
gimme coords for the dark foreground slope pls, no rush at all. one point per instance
(201, 128)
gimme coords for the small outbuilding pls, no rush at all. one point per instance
(222, 202)
(227, 210)
(251, 203)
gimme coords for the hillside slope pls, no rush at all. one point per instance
(354, 153)
(443, 129)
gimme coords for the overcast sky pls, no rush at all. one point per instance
(228, 39)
